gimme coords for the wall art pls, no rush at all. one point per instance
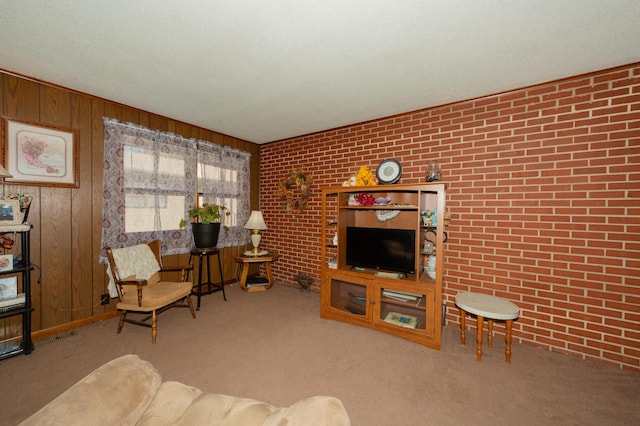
(40, 155)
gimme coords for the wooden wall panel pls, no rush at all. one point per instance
(67, 223)
(99, 279)
(82, 294)
(55, 230)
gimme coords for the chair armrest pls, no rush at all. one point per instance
(133, 282)
(176, 268)
(139, 283)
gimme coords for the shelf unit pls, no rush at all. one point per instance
(409, 306)
(12, 347)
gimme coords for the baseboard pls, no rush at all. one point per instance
(41, 334)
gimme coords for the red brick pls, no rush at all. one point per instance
(544, 190)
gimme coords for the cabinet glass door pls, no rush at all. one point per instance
(403, 308)
(349, 297)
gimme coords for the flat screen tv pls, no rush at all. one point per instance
(381, 248)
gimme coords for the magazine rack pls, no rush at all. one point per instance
(21, 305)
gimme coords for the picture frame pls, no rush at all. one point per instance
(6, 262)
(40, 155)
(9, 288)
(10, 213)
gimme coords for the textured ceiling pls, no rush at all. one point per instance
(268, 70)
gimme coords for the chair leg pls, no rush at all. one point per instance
(154, 327)
(193, 313)
(121, 323)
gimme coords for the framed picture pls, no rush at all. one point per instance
(8, 288)
(6, 262)
(10, 213)
(40, 155)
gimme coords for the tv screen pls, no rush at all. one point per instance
(382, 248)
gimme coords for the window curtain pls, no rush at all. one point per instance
(223, 178)
(151, 179)
(150, 170)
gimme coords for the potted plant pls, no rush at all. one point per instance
(205, 224)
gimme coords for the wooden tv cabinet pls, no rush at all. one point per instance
(409, 305)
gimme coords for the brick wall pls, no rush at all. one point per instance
(544, 188)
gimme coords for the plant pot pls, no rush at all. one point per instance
(205, 235)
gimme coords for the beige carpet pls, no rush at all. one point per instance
(273, 346)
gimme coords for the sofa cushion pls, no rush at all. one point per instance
(312, 411)
(170, 403)
(127, 391)
(117, 393)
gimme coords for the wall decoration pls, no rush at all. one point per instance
(40, 155)
(6, 262)
(294, 191)
(389, 171)
(8, 288)
(10, 213)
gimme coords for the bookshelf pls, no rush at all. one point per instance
(20, 306)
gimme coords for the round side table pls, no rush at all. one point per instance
(247, 260)
(492, 308)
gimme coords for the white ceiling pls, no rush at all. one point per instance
(267, 70)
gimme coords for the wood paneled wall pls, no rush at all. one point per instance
(66, 235)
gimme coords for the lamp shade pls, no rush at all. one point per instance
(256, 221)
(4, 173)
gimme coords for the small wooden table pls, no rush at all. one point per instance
(489, 307)
(247, 260)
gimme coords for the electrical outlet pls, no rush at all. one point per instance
(104, 299)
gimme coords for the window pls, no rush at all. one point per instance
(223, 178)
(150, 181)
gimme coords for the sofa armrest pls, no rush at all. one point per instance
(118, 392)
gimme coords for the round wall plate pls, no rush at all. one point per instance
(388, 171)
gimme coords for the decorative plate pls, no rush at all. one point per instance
(385, 215)
(388, 171)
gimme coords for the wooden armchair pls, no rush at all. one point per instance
(149, 296)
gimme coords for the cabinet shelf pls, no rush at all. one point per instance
(418, 319)
(381, 207)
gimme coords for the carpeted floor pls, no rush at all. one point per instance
(274, 346)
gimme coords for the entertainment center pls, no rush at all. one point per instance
(402, 231)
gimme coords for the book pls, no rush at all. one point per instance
(402, 320)
(358, 300)
(257, 282)
(8, 304)
(401, 295)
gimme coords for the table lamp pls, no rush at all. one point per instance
(255, 224)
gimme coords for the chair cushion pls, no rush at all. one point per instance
(154, 296)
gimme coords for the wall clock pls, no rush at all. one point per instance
(388, 171)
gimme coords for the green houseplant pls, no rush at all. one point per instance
(205, 224)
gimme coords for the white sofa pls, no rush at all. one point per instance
(130, 391)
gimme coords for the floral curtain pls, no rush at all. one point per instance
(223, 178)
(149, 184)
(151, 179)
